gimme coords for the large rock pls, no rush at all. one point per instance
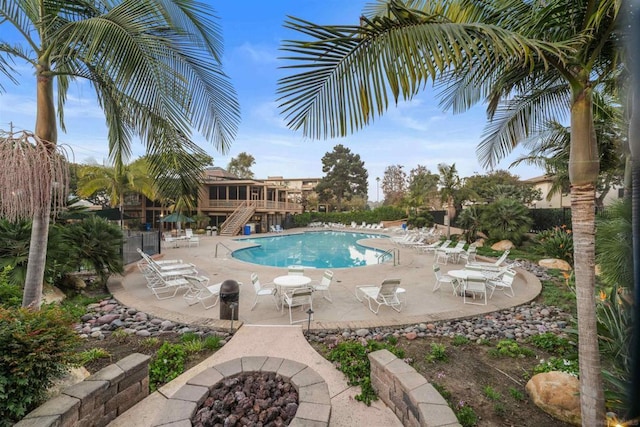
(556, 393)
(555, 263)
(52, 294)
(503, 245)
(74, 376)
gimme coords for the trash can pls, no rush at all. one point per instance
(147, 226)
(208, 230)
(229, 300)
(247, 230)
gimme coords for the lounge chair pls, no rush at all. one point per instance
(384, 294)
(492, 265)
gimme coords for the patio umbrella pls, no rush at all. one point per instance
(176, 217)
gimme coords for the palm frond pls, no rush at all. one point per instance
(346, 74)
(516, 119)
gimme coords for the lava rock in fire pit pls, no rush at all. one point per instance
(259, 398)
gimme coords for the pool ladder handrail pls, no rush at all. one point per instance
(393, 253)
(221, 244)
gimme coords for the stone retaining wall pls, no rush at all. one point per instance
(97, 400)
(314, 403)
(406, 392)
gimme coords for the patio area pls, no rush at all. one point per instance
(414, 269)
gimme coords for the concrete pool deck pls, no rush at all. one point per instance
(345, 312)
(266, 331)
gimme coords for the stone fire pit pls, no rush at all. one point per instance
(314, 404)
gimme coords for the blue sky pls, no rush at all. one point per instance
(412, 133)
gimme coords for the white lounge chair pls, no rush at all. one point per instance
(492, 265)
(384, 294)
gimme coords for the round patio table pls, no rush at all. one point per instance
(290, 281)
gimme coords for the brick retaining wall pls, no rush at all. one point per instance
(97, 400)
(407, 393)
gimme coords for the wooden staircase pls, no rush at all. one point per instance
(233, 225)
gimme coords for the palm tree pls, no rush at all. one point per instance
(530, 61)
(117, 182)
(155, 67)
(449, 186)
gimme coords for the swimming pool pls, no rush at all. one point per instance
(317, 249)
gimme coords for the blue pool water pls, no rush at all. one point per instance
(325, 249)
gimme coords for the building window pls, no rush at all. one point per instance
(620, 193)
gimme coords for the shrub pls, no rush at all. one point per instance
(469, 220)
(506, 219)
(466, 415)
(438, 353)
(168, 363)
(350, 357)
(556, 243)
(510, 348)
(570, 366)
(10, 294)
(552, 343)
(37, 348)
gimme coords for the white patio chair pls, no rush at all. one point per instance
(469, 256)
(444, 278)
(504, 282)
(324, 284)
(262, 290)
(296, 270)
(474, 286)
(298, 297)
(384, 294)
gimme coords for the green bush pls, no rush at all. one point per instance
(552, 343)
(570, 366)
(350, 357)
(10, 294)
(556, 243)
(168, 363)
(506, 219)
(37, 348)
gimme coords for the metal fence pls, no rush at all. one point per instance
(148, 241)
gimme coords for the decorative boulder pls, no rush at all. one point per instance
(555, 263)
(503, 245)
(556, 393)
(51, 294)
(479, 243)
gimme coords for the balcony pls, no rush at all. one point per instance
(261, 205)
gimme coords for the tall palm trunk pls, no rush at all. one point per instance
(583, 172)
(46, 130)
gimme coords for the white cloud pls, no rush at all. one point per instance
(258, 53)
